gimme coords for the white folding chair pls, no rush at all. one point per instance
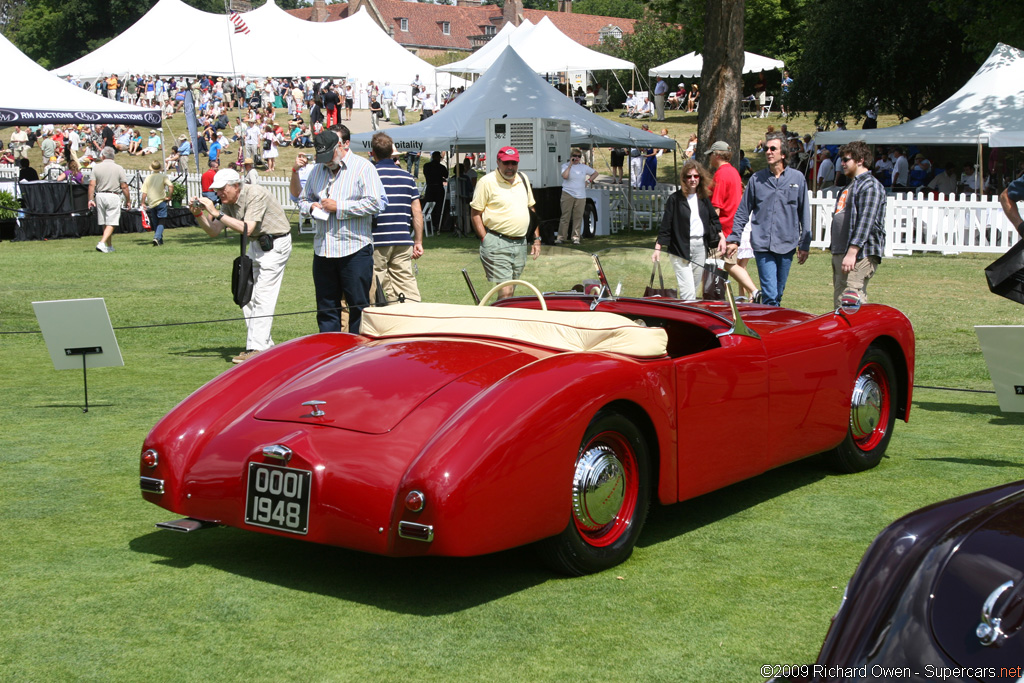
(428, 218)
(766, 108)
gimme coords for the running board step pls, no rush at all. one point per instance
(186, 525)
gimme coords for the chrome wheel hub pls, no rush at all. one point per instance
(866, 406)
(598, 487)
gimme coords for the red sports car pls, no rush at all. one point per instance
(552, 419)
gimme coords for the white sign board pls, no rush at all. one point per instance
(77, 328)
(1003, 346)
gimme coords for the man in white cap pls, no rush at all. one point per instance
(254, 210)
(500, 214)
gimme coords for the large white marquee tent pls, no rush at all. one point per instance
(545, 49)
(31, 95)
(174, 39)
(691, 64)
(987, 110)
(510, 89)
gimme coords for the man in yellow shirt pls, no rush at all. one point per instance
(500, 214)
(156, 190)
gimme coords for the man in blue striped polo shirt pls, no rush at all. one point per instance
(342, 195)
(394, 248)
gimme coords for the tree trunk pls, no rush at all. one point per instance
(721, 81)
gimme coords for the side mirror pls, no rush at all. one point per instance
(849, 303)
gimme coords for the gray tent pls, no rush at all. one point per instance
(510, 89)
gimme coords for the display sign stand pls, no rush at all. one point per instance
(78, 327)
(1001, 346)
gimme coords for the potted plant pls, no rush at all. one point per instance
(178, 194)
(9, 207)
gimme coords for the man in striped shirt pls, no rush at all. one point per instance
(342, 194)
(394, 248)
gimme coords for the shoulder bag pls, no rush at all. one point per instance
(241, 275)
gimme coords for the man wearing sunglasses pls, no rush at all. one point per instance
(858, 225)
(500, 214)
(779, 215)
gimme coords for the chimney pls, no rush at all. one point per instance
(565, 6)
(512, 12)
(319, 13)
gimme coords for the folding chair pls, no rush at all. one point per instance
(601, 101)
(428, 218)
(767, 107)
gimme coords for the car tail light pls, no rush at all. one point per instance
(415, 501)
(150, 458)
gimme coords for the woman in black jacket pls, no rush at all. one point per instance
(690, 228)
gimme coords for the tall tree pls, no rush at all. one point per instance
(909, 56)
(720, 82)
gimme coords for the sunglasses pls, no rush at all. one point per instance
(846, 160)
(693, 175)
(773, 149)
(576, 157)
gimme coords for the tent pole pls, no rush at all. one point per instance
(979, 175)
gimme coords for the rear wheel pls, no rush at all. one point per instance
(610, 495)
(872, 414)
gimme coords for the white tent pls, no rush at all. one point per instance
(510, 89)
(278, 44)
(690, 65)
(31, 95)
(987, 110)
(547, 50)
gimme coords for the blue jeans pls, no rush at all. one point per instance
(773, 271)
(349, 277)
(157, 215)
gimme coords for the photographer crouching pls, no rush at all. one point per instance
(253, 212)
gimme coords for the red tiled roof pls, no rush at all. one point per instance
(425, 22)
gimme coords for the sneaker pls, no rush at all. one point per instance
(156, 242)
(576, 241)
(559, 240)
(756, 296)
(244, 356)
(102, 248)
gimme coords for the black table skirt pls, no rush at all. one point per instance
(85, 225)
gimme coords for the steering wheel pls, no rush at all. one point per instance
(487, 297)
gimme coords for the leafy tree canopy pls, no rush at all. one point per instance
(909, 56)
(627, 9)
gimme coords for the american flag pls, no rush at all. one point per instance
(236, 19)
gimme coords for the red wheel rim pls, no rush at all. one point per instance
(608, 533)
(873, 383)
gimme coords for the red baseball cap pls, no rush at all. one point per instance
(508, 154)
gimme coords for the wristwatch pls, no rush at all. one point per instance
(219, 216)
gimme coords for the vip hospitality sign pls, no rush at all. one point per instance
(399, 145)
(142, 117)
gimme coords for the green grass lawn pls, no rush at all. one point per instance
(718, 586)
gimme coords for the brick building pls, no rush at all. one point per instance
(426, 29)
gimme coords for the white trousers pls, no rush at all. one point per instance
(267, 272)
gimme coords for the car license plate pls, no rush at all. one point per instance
(278, 498)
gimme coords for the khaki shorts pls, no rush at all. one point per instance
(108, 208)
(503, 260)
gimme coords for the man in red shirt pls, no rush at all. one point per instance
(207, 179)
(726, 199)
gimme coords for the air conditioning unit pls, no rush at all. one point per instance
(543, 146)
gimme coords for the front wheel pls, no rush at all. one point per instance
(610, 495)
(872, 414)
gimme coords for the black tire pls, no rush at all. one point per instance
(612, 464)
(589, 229)
(872, 414)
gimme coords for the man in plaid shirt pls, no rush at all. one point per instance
(858, 230)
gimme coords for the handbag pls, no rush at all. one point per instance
(241, 276)
(661, 290)
(146, 223)
(713, 280)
